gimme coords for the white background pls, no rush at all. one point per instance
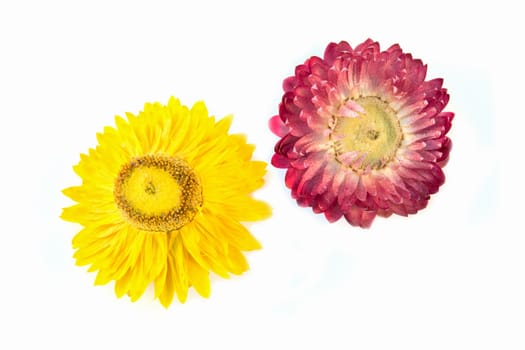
(451, 277)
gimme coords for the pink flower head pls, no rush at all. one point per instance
(362, 133)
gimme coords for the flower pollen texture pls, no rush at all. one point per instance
(162, 201)
(362, 133)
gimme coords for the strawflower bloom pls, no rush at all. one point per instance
(162, 199)
(362, 133)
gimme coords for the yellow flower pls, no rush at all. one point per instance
(162, 199)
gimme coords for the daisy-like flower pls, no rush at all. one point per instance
(162, 199)
(362, 133)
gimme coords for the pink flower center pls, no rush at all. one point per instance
(368, 140)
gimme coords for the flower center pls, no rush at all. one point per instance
(369, 140)
(157, 193)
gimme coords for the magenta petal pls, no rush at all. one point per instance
(334, 50)
(367, 217)
(292, 177)
(285, 146)
(278, 127)
(353, 216)
(333, 213)
(307, 141)
(330, 53)
(360, 217)
(289, 84)
(280, 161)
(360, 190)
(369, 49)
(347, 190)
(445, 150)
(445, 119)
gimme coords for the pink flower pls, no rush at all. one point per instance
(362, 133)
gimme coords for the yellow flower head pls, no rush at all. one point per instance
(162, 199)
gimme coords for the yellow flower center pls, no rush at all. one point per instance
(375, 134)
(158, 193)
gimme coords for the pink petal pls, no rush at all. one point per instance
(334, 50)
(359, 217)
(333, 213)
(280, 161)
(347, 189)
(360, 191)
(277, 126)
(445, 151)
(350, 109)
(289, 84)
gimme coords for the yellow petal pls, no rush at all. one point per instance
(236, 261)
(168, 287)
(199, 278)
(180, 269)
(122, 284)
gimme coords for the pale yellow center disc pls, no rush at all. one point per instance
(376, 134)
(152, 191)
